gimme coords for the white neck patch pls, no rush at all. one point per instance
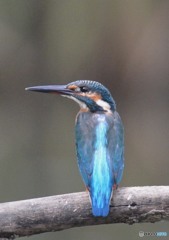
(103, 104)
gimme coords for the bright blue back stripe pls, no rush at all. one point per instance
(101, 177)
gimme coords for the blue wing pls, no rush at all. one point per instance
(116, 148)
(99, 143)
(85, 145)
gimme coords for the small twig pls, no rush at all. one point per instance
(129, 205)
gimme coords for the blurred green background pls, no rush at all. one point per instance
(124, 45)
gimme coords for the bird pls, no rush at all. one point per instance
(99, 136)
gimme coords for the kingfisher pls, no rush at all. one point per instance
(99, 139)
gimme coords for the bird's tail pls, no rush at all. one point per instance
(101, 204)
(100, 211)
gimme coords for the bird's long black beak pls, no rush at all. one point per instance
(60, 89)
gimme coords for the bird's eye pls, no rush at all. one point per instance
(84, 89)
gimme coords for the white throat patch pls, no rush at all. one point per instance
(81, 104)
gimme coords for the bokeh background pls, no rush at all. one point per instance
(122, 44)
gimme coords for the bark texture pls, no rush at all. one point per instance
(129, 205)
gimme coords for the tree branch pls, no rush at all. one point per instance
(129, 205)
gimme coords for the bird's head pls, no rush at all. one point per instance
(90, 95)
